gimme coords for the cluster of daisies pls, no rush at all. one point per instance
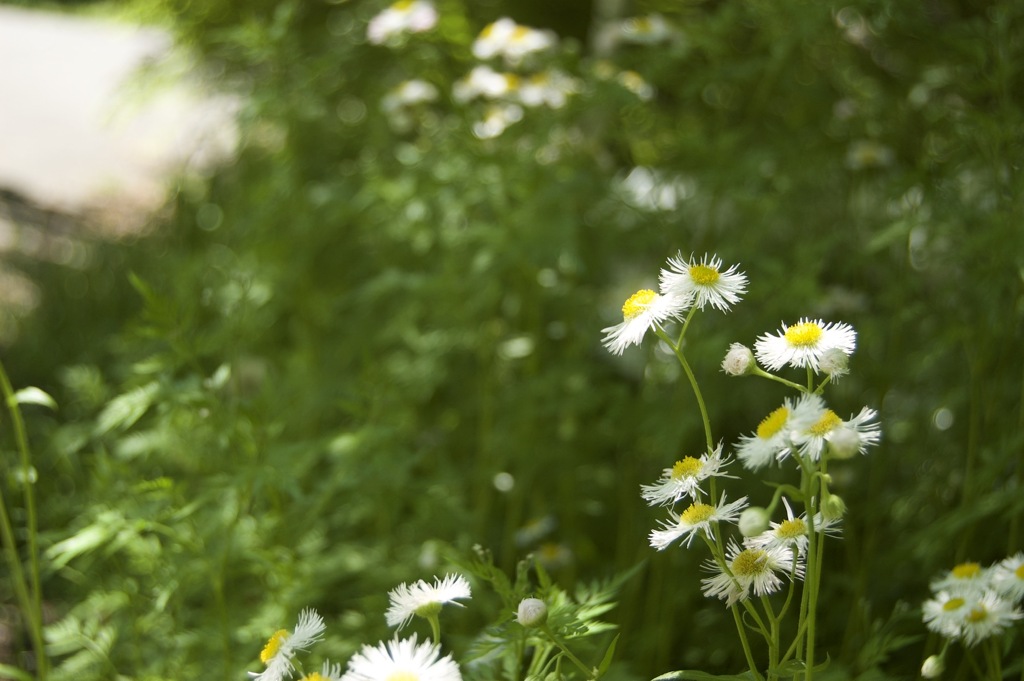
(971, 603)
(508, 80)
(406, 659)
(804, 428)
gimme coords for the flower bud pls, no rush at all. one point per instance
(739, 361)
(753, 521)
(833, 507)
(835, 363)
(532, 612)
(843, 442)
(933, 667)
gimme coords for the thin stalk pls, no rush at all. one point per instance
(677, 349)
(758, 371)
(746, 644)
(568, 653)
(33, 600)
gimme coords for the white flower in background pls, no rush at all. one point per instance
(405, 16)
(793, 532)
(868, 154)
(409, 93)
(643, 311)
(988, 616)
(283, 645)
(496, 120)
(704, 281)
(944, 613)
(1008, 577)
(770, 441)
(506, 38)
(739, 361)
(753, 569)
(815, 426)
(483, 81)
(635, 83)
(549, 88)
(421, 598)
(684, 478)
(645, 30)
(835, 363)
(695, 519)
(402, 660)
(804, 344)
(963, 578)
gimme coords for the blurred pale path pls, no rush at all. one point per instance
(83, 130)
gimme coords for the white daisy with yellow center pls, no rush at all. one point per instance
(402, 660)
(705, 281)
(277, 654)
(328, 672)
(770, 442)
(642, 311)
(793, 532)
(506, 38)
(816, 427)
(684, 478)
(423, 599)
(753, 569)
(988, 616)
(965, 577)
(697, 518)
(804, 344)
(945, 613)
(405, 16)
(1008, 577)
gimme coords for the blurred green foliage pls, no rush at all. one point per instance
(315, 376)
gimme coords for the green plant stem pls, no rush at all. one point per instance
(814, 556)
(677, 349)
(435, 627)
(758, 371)
(31, 595)
(746, 644)
(568, 653)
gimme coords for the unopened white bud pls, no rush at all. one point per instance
(843, 442)
(833, 507)
(835, 363)
(753, 521)
(739, 361)
(933, 667)
(532, 612)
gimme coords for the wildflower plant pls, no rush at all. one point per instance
(764, 571)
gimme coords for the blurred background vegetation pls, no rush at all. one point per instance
(363, 347)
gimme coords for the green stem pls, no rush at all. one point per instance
(568, 653)
(746, 644)
(31, 598)
(758, 371)
(435, 627)
(677, 349)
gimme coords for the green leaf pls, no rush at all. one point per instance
(694, 675)
(33, 395)
(609, 654)
(9, 672)
(125, 409)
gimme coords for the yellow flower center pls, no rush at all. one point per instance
(315, 676)
(273, 645)
(702, 275)
(687, 468)
(978, 614)
(402, 5)
(803, 334)
(1019, 572)
(772, 423)
(697, 513)
(825, 424)
(791, 529)
(520, 33)
(511, 81)
(966, 570)
(637, 303)
(403, 676)
(749, 563)
(953, 604)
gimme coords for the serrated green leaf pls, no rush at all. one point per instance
(124, 410)
(609, 655)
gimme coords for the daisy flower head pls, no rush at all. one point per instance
(705, 281)
(988, 616)
(404, 660)
(793, 532)
(965, 578)
(1008, 577)
(944, 613)
(423, 599)
(815, 427)
(804, 344)
(683, 479)
(697, 518)
(283, 645)
(641, 312)
(753, 569)
(770, 441)
(328, 672)
(404, 16)
(512, 41)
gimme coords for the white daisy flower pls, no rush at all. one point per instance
(945, 613)
(483, 81)
(402, 659)
(643, 311)
(283, 645)
(815, 427)
(328, 672)
(804, 344)
(510, 40)
(550, 88)
(704, 281)
(635, 83)
(1008, 577)
(409, 93)
(405, 16)
(752, 569)
(696, 518)
(684, 478)
(645, 30)
(770, 441)
(421, 598)
(497, 118)
(791, 532)
(989, 616)
(965, 578)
